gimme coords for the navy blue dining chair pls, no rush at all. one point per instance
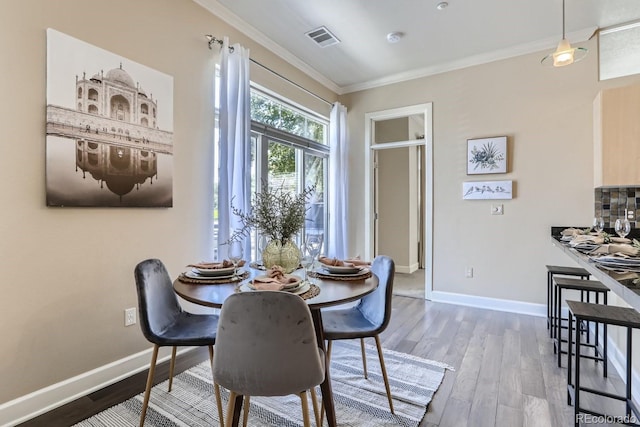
(165, 323)
(367, 319)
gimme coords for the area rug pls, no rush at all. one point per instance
(359, 402)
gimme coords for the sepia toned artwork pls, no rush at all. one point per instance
(109, 133)
(482, 190)
(487, 155)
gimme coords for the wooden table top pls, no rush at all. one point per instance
(332, 292)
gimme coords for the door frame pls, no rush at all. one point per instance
(427, 142)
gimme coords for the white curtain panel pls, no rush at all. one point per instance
(338, 179)
(235, 143)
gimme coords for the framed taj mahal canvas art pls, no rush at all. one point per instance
(109, 132)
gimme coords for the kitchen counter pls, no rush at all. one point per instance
(619, 283)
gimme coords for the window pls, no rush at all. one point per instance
(289, 148)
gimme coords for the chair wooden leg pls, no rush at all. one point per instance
(305, 409)
(384, 373)
(172, 366)
(147, 391)
(231, 408)
(316, 412)
(216, 389)
(364, 358)
(245, 410)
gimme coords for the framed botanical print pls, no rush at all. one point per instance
(487, 155)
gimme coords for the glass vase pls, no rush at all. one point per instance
(286, 255)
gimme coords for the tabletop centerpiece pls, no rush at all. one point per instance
(280, 215)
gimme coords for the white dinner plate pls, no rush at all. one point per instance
(195, 275)
(360, 272)
(213, 271)
(334, 269)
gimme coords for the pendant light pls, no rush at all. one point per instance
(564, 53)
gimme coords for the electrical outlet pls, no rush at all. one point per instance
(130, 316)
(497, 209)
(631, 214)
(468, 272)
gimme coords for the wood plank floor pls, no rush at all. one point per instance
(505, 374)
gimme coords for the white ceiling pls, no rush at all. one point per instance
(467, 32)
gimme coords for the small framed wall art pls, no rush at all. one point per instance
(487, 155)
(483, 190)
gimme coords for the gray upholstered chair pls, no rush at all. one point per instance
(164, 323)
(367, 319)
(267, 346)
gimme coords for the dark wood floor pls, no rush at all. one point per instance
(505, 370)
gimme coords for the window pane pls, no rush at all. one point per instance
(314, 175)
(280, 116)
(282, 167)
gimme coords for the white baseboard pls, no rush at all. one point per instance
(539, 310)
(46, 399)
(407, 269)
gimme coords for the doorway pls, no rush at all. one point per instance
(399, 192)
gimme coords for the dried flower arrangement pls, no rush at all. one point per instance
(275, 212)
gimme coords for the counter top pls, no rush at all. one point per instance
(619, 283)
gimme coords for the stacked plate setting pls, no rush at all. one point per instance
(211, 273)
(332, 270)
(612, 262)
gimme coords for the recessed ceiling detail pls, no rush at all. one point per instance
(322, 36)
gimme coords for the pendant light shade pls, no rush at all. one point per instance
(564, 53)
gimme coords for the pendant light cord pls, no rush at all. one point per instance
(563, 36)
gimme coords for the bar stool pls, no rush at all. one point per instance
(586, 287)
(607, 315)
(553, 270)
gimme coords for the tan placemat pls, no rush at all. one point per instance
(212, 280)
(313, 291)
(333, 277)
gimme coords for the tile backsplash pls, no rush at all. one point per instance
(610, 204)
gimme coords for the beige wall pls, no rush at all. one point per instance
(547, 115)
(67, 273)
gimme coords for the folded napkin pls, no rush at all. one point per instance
(587, 238)
(216, 265)
(614, 248)
(274, 280)
(572, 232)
(349, 262)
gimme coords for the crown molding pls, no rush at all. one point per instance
(497, 55)
(232, 19)
(217, 9)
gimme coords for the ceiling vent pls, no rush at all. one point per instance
(323, 37)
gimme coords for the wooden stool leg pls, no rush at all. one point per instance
(576, 400)
(245, 410)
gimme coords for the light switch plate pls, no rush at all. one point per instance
(497, 209)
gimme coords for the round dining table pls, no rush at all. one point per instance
(332, 292)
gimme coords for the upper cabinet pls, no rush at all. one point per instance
(616, 132)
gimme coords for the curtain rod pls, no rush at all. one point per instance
(212, 40)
